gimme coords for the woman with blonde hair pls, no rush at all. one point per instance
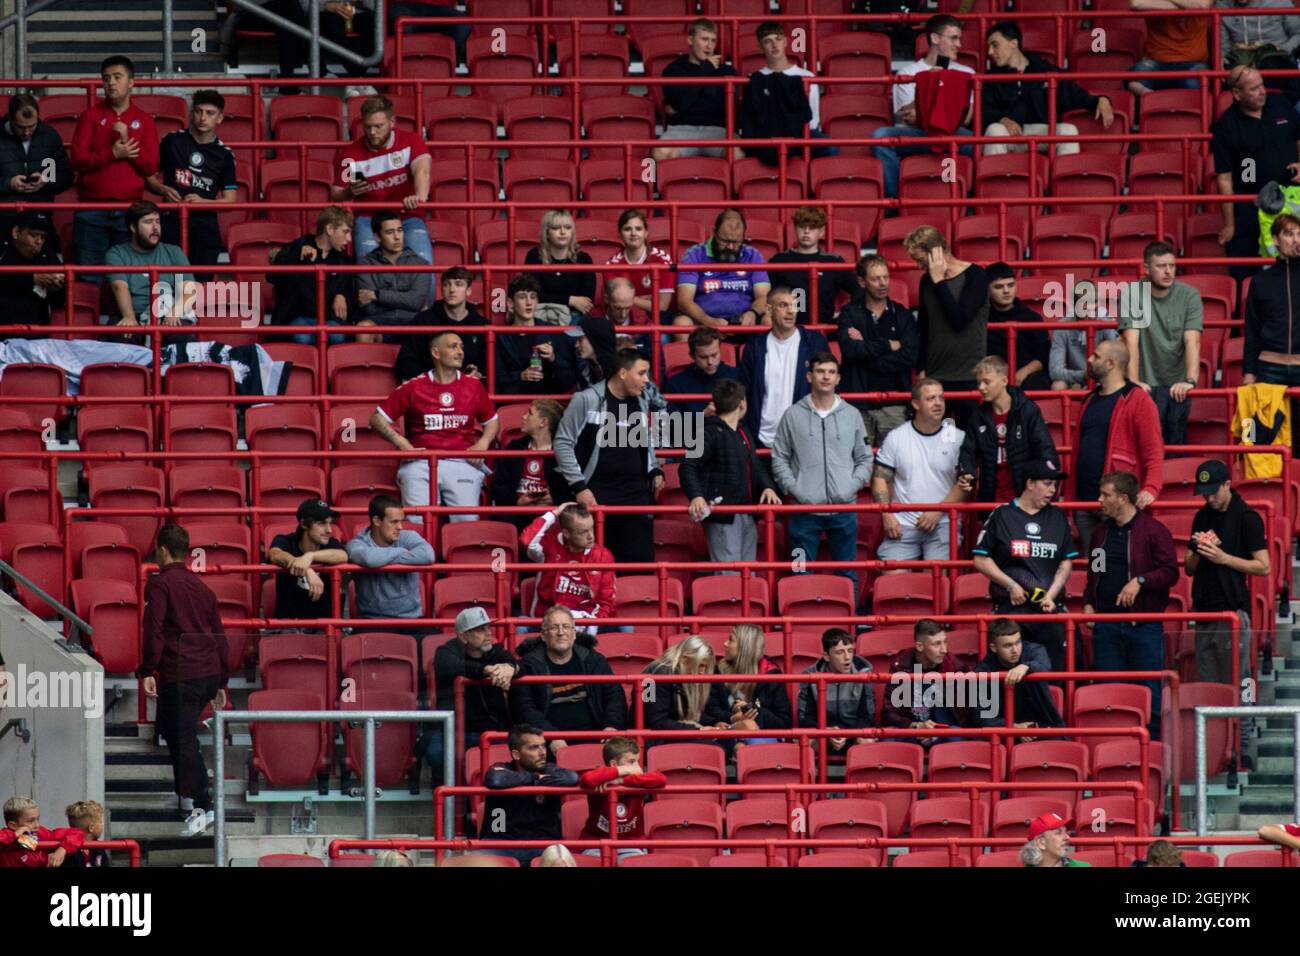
(557, 854)
(566, 296)
(681, 705)
(748, 705)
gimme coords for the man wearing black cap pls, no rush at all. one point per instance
(301, 592)
(1228, 543)
(26, 298)
(1025, 550)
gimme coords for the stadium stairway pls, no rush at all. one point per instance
(72, 37)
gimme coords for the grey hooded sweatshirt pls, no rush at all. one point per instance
(820, 459)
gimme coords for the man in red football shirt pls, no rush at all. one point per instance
(566, 535)
(622, 768)
(385, 164)
(444, 411)
(114, 149)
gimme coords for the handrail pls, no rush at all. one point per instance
(312, 33)
(64, 611)
(1202, 770)
(132, 847)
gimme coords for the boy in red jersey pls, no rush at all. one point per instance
(622, 768)
(23, 828)
(568, 534)
(385, 164)
(444, 411)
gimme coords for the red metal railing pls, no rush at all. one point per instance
(131, 847)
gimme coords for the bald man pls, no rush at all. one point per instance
(1119, 430)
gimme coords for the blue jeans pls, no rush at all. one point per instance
(891, 156)
(841, 529)
(309, 338)
(1146, 65)
(1117, 646)
(94, 232)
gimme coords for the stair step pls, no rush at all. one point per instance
(147, 815)
(150, 758)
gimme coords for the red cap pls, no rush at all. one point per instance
(1048, 821)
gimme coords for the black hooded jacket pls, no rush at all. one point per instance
(1272, 313)
(869, 364)
(1028, 440)
(1026, 101)
(485, 707)
(530, 703)
(1033, 700)
(728, 467)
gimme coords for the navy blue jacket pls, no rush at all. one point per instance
(691, 380)
(753, 371)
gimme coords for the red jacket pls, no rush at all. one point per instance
(12, 853)
(101, 177)
(629, 805)
(589, 591)
(942, 98)
(1135, 444)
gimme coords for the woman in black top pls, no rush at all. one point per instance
(574, 291)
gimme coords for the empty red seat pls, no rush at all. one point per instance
(688, 764)
(452, 595)
(287, 754)
(947, 816)
(1049, 761)
(206, 485)
(35, 551)
(907, 594)
(1254, 858)
(638, 595)
(848, 819)
(815, 595)
(930, 858)
(283, 860)
(999, 858)
(93, 542)
(282, 427)
(887, 761)
(287, 486)
(130, 486)
(115, 380)
(660, 859)
(505, 57)
(841, 858)
(379, 662)
(112, 610)
(294, 662)
(204, 379)
(35, 380)
(533, 179)
(631, 653)
(1114, 814)
(758, 817)
(362, 368)
(684, 819)
(127, 428)
(394, 754)
(776, 763)
(19, 433)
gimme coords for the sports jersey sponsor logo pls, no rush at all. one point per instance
(574, 586)
(187, 177)
(437, 422)
(1020, 548)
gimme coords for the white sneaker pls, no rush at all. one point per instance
(198, 822)
(186, 804)
(360, 90)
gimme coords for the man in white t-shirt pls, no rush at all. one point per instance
(944, 31)
(918, 463)
(773, 367)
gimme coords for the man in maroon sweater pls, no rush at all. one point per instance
(185, 647)
(114, 150)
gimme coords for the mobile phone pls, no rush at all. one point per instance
(942, 62)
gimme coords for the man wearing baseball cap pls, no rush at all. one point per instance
(1025, 550)
(473, 654)
(1049, 842)
(27, 298)
(1228, 543)
(300, 591)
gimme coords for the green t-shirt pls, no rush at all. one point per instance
(1160, 343)
(1069, 862)
(163, 254)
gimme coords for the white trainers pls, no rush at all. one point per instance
(185, 804)
(198, 822)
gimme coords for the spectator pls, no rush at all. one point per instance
(185, 666)
(850, 705)
(720, 297)
(532, 364)
(943, 31)
(385, 542)
(1020, 109)
(748, 705)
(1118, 426)
(1173, 43)
(727, 471)
(1068, 361)
(1272, 319)
(953, 315)
(565, 706)
(444, 410)
(295, 293)
(906, 705)
(132, 291)
(1228, 543)
(389, 165)
(1049, 843)
(880, 345)
(565, 296)
(1033, 346)
(780, 106)
(1253, 142)
(34, 166)
(557, 855)
(524, 817)
(529, 481)
(114, 149)
(1283, 834)
(471, 654)
(594, 341)
(454, 309)
(695, 110)
(392, 858)
(619, 310)
(620, 767)
(680, 705)
(196, 167)
(300, 592)
(820, 457)
(391, 298)
(810, 232)
(1007, 433)
(619, 468)
(1254, 39)
(567, 535)
(772, 366)
(26, 298)
(1025, 550)
(88, 817)
(634, 230)
(917, 464)
(1131, 566)
(703, 374)
(347, 23)
(1161, 854)
(22, 831)
(1015, 660)
(1164, 345)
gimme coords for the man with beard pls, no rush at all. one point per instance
(527, 817)
(131, 290)
(1119, 430)
(720, 297)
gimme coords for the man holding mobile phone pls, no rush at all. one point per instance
(34, 165)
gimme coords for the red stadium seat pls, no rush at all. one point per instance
(131, 486)
(452, 595)
(86, 538)
(379, 662)
(202, 428)
(534, 179)
(294, 662)
(841, 858)
(1113, 814)
(539, 118)
(947, 816)
(115, 380)
(61, 110)
(1254, 858)
(490, 58)
(1011, 817)
(1011, 175)
(199, 379)
(1218, 733)
(617, 119)
(1131, 232)
(981, 239)
(284, 860)
(35, 551)
(1119, 760)
(287, 754)
(631, 653)
(637, 595)
(882, 645)
(25, 493)
(1111, 705)
(279, 428)
(423, 55)
(605, 55)
(362, 368)
(19, 433)
(670, 14)
(394, 753)
(283, 181)
(1088, 174)
(695, 178)
(1049, 761)
(927, 176)
(848, 819)
(287, 486)
(661, 859)
(744, 860)
(930, 858)
(999, 858)
(127, 428)
(315, 119)
(354, 485)
(205, 485)
(858, 54)
(35, 380)
(758, 817)
(769, 763)
(112, 609)
(965, 761)
(688, 764)
(815, 595)
(848, 177)
(1068, 235)
(607, 180)
(684, 819)
(887, 761)
(720, 595)
(906, 594)
(459, 119)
